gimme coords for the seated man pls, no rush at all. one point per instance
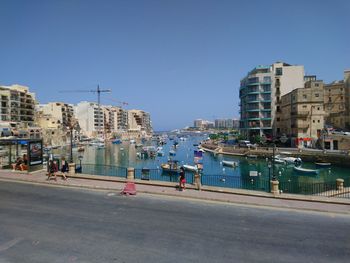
(17, 164)
(24, 164)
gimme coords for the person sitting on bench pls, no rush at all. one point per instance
(24, 165)
(17, 164)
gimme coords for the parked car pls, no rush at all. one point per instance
(245, 144)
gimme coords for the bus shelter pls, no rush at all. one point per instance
(29, 149)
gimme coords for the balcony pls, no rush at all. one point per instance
(300, 113)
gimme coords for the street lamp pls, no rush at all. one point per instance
(269, 166)
(80, 158)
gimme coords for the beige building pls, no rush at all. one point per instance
(301, 115)
(17, 106)
(63, 112)
(139, 120)
(337, 103)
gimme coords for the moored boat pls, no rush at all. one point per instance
(117, 141)
(322, 164)
(171, 167)
(229, 163)
(172, 153)
(190, 168)
(305, 170)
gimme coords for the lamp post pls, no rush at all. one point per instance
(273, 162)
(269, 166)
(71, 145)
(80, 158)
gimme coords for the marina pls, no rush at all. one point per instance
(221, 170)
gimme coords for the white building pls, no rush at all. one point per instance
(90, 118)
(260, 95)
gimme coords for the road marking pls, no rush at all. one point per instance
(10, 244)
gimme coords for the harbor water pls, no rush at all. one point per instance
(251, 170)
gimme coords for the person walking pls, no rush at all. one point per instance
(53, 169)
(64, 168)
(182, 179)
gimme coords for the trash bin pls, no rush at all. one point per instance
(145, 174)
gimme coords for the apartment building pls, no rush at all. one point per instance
(115, 119)
(301, 115)
(260, 96)
(63, 112)
(337, 103)
(139, 120)
(226, 123)
(17, 106)
(90, 118)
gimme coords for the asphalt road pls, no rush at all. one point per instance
(48, 224)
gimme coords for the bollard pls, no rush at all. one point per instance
(274, 187)
(197, 181)
(131, 174)
(71, 170)
(340, 184)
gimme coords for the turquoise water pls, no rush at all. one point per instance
(125, 155)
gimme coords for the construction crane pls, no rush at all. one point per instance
(98, 91)
(121, 103)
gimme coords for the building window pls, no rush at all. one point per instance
(318, 121)
(317, 95)
(304, 106)
(304, 96)
(313, 121)
(318, 108)
(329, 99)
(341, 89)
(341, 97)
(279, 71)
(316, 85)
(278, 119)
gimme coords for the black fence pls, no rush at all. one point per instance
(159, 175)
(253, 183)
(257, 183)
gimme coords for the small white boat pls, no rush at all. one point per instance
(305, 170)
(132, 141)
(279, 161)
(190, 168)
(172, 153)
(230, 163)
(323, 164)
(252, 156)
(288, 159)
(101, 146)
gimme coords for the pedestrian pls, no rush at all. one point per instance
(53, 169)
(24, 164)
(182, 179)
(64, 168)
(17, 164)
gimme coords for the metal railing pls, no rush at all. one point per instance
(159, 175)
(253, 183)
(258, 183)
(108, 170)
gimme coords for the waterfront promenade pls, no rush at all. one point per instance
(168, 189)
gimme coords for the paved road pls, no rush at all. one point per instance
(49, 224)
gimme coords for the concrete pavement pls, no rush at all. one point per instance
(234, 196)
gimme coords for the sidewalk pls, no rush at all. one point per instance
(235, 196)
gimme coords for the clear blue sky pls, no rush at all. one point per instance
(179, 60)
